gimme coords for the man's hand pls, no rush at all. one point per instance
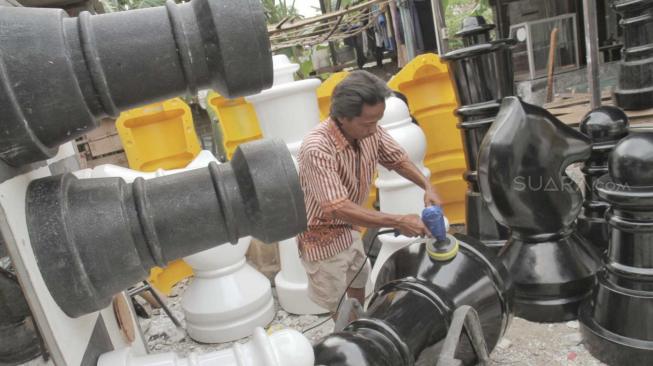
(411, 225)
(431, 197)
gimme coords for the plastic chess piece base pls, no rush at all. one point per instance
(611, 348)
(637, 99)
(229, 305)
(551, 278)
(293, 297)
(291, 282)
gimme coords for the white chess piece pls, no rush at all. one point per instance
(289, 110)
(228, 298)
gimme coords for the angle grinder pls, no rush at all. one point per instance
(441, 247)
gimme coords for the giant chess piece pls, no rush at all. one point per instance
(286, 347)
(19, 341)
(635, 88)
(617, 321)
(605, 125)
(482, 71)
(409, 316)
(521, 174)
(93, 238)
(398, 195)
(288, 111)
(228, 298)
(75, 71)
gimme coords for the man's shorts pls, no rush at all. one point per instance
(328, 278)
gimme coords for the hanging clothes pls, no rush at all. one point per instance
(417, 28)
(381, 32)
(396, 23)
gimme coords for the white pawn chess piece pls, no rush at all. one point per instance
(286, 347)
(228, 298)
(398, 195)
(289, 110)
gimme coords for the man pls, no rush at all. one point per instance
(337, 161)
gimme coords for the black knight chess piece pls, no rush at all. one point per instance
(522, 177)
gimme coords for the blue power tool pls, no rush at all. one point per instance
(442, 247)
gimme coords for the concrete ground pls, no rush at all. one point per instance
(525, 343)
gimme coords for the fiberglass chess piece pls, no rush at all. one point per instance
(522, 177)
(605, 125)
(635, 87)
(420, 289)
(482, 72)
(617, 321)
(288, 111)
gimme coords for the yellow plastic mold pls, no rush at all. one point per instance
(158, 136)
(432, 100)
(325, 90)
(164, 279)
(237, 120)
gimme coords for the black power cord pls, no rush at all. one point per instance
(342, 297)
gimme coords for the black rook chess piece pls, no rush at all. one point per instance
(482, 72)
(605, 125)
(522, 177)
(635, 87)
(617, 321)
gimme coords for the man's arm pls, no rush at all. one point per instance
(394, 157)
(409, 225)
(409, 170)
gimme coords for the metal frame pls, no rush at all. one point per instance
(465, 319)
(529, 40)
(592, 52)
(440, 26)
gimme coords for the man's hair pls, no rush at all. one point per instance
(358, 88)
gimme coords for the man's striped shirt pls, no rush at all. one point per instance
(332, 171)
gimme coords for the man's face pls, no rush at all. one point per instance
(360, 127)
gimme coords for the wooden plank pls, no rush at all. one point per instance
(105, 146)
(565, 110)
(572, 110)
(642, 114)
(551, 64)
(106, 128)
(115, 159)
(575, 99)
(573, 117)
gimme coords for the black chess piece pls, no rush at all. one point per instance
(617, 321)
(605, 126)
(522, 178)
(482, 74)
(635, 88)
(409, 316)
